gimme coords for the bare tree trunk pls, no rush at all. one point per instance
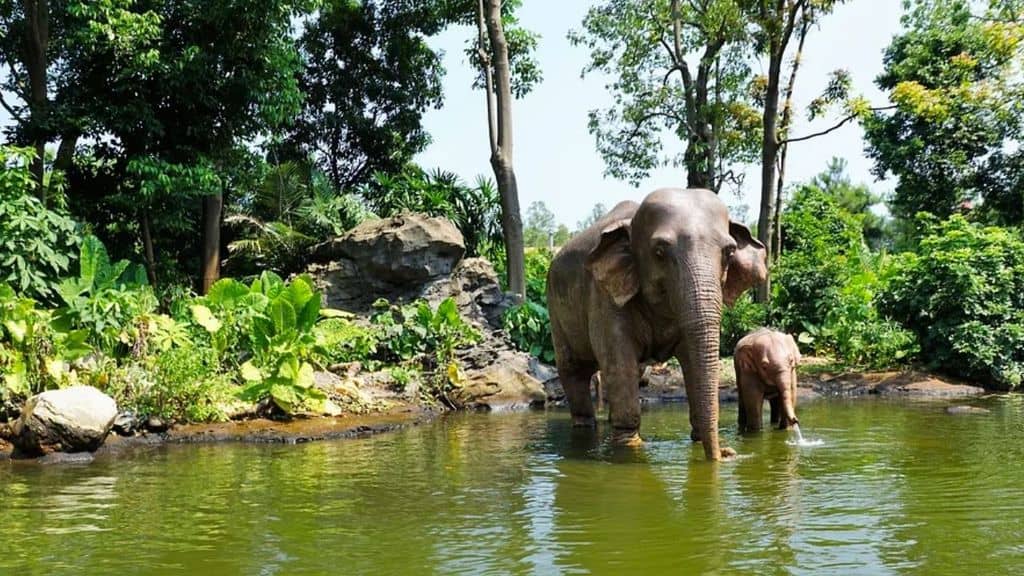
(37, 42)
(499, 112)
(779, 26)
(784, 125)
(147, 246)
(769, 150)
(210, 263)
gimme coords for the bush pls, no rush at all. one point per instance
(417, 334)
(37, 243)
(738, 320)
(529, 327)
(962, 294)
(178, 385)
(825, 283)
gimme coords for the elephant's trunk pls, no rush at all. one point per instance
(701, 328)
(788, 408)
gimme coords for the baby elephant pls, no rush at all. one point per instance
(765, 362)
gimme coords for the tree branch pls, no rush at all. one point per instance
(14, 114)
(835, 127)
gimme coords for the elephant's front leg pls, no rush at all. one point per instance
(752, 403)
(620, 383)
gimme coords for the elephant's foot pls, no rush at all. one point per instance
(584, 422)
(627, 437)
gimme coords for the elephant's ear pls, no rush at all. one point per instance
(748, 265)
(613, 265)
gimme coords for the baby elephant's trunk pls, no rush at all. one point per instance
(788, 408)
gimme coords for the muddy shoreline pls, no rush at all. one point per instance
(907, 384)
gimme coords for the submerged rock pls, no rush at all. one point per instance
(75, 419)
(966, 410)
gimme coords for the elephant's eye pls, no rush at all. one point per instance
(727, 253)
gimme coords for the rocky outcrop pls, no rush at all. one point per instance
(415, 257)
(384, 256)
(75, 419)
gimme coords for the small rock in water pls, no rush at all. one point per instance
(966, 410)
(154, 424)
(125, 424)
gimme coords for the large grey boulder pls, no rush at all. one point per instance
(506, 384)
(410, 248)
(75, 419)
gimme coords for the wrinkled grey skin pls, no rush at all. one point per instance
(644, 283)
(765, 362)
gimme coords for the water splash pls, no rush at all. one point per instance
(801, 441)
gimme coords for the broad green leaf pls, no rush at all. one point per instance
(93, 260)
(282, 314)
(205, 318)
(17, 329)
(286, 397)
(227, 292)
(335, 313)
(250, 373)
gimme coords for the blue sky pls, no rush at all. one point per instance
(555, 159)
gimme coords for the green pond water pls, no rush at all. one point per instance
(898, 487)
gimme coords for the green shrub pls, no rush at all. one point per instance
(738, 320)
(417, 333)
(962, 293)
(37, 243)
(822, 247)
(266, 330)
(855, 331)
(529, 327)
(177, 385)
(35, 352)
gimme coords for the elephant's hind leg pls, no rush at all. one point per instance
(575, 378)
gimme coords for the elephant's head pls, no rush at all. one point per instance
(682, 255)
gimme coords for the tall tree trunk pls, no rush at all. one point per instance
(769, 151)
(37, 42)
(210, 264)
(784, 125)
(778, 25)
(66, 152)
(147, 246)
(777, 218)
(499, 112)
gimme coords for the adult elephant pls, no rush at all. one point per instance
(647, 282)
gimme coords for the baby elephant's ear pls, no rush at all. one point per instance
(613, 265)
(748, 266)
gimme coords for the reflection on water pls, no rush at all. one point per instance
(897, 488)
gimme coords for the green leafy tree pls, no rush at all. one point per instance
(540, 228)
(677, 68)
(858, 200)
(219, 74)
(368, 76)
(775, 24)
(962, 292)
(49, 47)
(37, 243)
(953, 75)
